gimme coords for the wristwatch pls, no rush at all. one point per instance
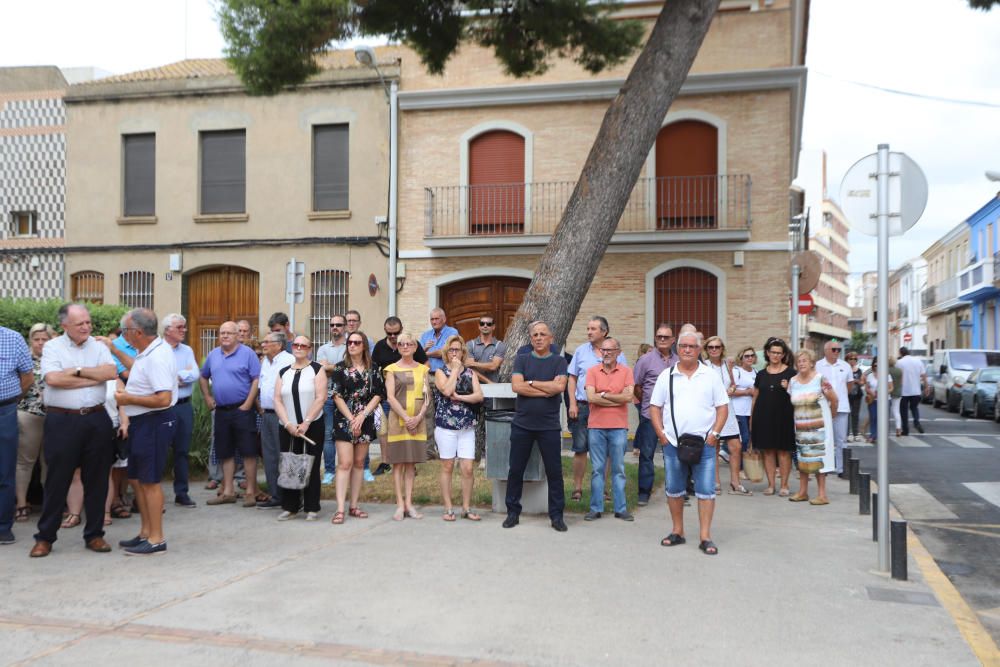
(79, 369)
(531, 383)
(603, 393)
(716, 434)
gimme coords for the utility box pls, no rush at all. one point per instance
(499, 401)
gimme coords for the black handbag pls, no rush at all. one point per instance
(690, 447)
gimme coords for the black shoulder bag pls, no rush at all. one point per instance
(690, 447)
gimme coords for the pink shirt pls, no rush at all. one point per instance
(613, 383)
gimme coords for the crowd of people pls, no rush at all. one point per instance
(102, 413)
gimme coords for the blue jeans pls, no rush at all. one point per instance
(182, 446)
(607, 443)
(645, 442)
(578, 427)
(329, 446)
(744, 423)
(703, 473)
(873, 419)
(8, 466)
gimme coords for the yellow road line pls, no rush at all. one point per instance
(968, 623)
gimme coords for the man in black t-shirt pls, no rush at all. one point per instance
(538, 379)
(385, 351)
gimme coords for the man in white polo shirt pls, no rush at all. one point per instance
(839, 374)
(274, 361)
(77, 432)
(698, 405)
(149, 401)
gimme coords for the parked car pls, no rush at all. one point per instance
(979, 393)
(928, 396)
(952, 368)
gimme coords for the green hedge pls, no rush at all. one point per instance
(20, 314)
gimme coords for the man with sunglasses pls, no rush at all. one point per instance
(839, 374)
(647, 370)
(329, 355)
(486, 353)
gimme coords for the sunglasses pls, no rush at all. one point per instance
(336, 324)
(484, 323)
(835, 349)
(713, 347)
(392, 333)
(749, 356)
(298, 346)
(355, 342)
(664, 337)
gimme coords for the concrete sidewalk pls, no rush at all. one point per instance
(792, 583)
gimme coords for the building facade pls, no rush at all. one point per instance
(488, 163)
(907, 323)
(949, 320)
(32, 181)
(187, 195)
(978, 281)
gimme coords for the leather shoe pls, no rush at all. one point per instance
(184, 500)
(511, 520)
(919, 427)
(592, 516)
(99, 545)
(559, 525)
(41, 549)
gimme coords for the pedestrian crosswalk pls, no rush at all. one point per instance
(966, 442)
(917, 503)
(938, 440)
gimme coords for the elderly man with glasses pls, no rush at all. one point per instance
(274, 361)
(647, 370)
(839, 374)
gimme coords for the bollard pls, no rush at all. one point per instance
(897, 531)
(864, 493)
(852, 475)
(875, 518)
(846, 455)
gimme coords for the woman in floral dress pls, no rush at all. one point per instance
(814, 402)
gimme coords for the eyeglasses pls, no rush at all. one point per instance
(749, 356)
(352, 320)
(297, 346)
(835, 349)
(661, 337)
(687, 346)
(713, 347)
(484, 323)
(455, 350)
(355, 342)
(405, 344)
(609, 350)
(336, 324)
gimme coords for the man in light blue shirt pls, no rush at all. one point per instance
(433, 339)
(174, 327)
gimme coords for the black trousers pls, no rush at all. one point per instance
(74, 441)
(521, 442)
(292, 500)
(909, 404)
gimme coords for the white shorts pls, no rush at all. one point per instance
(455, 443)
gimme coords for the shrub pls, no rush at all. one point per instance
(20, 314)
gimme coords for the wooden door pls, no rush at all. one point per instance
(221, 294)
(468, 300)
(686, 175)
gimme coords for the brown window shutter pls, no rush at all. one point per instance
(496, 183)
(686, 175)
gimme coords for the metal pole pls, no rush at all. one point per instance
(795, 308)
(290, 286)
(882, 441)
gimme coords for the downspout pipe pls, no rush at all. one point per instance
(393, 190)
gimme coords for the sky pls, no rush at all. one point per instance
(937, 48)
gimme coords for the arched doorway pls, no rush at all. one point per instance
(687, 175)
(218, 295)
(466, 301)
(687, 294)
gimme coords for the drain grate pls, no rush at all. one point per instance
(905, 597)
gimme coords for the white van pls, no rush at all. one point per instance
(950, 370)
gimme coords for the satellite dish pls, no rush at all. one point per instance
(810, 269)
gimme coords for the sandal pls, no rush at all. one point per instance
(769, 491)
(798, 498)
(672, 540)
(413, 514)
(708, 546)
(212, 485)
(71, 521)
(357, 513)
(449, 515)
(784, 493)
(120, 512)
(23, 513)
(338, 518)
(262, 497)
(398, 515)
(739, 490)
(107, 518)
(718, 489)
(577, 495)
(819, 501)
(470, 515)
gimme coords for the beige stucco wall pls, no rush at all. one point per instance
(278, 190)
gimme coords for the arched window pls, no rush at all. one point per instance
(687, 294)
(496, 183)
(687, 174)
(87, 286)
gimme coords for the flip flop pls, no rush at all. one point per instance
(708, 547)
(71, 521)
(470, 515)
(672, 540)
(577, 495)
(784, 493)
(449, 515)
(398, 515)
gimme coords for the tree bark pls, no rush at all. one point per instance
(627, 133)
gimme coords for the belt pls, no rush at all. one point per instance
(77, 411)
(231, 406)
(8, 401)
(183, 400)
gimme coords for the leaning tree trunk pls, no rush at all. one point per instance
(627, 133)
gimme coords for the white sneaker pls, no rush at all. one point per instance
(286, 515)
(312, 516)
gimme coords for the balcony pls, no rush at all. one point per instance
(940, 298)
(975, 282)
(686, 208)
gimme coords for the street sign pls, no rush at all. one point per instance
(295, 278)
(907, 337)
(810, 268)
(806, 304)
(907, 194)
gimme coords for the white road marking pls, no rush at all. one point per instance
(910, 441)
(988, 490)
(917, 504)
(966, 442)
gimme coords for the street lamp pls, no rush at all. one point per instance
(365, 55)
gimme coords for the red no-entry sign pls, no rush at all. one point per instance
(806, 304)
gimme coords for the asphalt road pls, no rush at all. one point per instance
(946, 484)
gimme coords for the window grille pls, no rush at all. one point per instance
(136, 289)
(688, 295)
(328, 298)
(87, 286)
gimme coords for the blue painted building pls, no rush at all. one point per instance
(978, 282)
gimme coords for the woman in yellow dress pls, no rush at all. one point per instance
(408, 393)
